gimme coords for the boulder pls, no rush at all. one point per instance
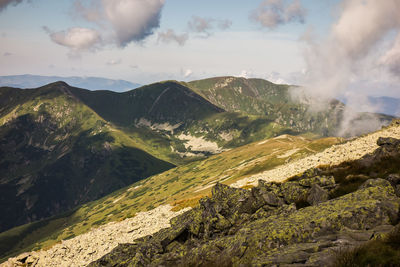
(317, 195)
(394, 180)
(387, 141)
(322, 181)
(293, 192)
(375, 183)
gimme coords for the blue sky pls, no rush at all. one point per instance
(229, 52)
(279, 40)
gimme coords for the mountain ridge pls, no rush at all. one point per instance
(92, 83)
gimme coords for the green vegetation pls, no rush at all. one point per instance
(274, 102)
(182, 186)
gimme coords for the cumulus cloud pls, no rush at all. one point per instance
(352, 46)
(119, 22)
(5, 3)
(130, 20)
(170, 36)
(206, 25)
(272, 13)
(133, 20)
(76, 39)
(355, 49)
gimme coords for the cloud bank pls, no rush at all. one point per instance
(272, 13)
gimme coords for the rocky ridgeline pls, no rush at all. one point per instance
(85, 248)
(351, 150)
(301, 222)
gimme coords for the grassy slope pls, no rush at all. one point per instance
(181, 186)
(274, 102)
(56, 153)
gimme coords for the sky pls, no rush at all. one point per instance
(332, 47)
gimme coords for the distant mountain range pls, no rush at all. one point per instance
(91, 83)
(386, 105)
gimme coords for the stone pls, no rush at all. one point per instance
(293, 192)
(323, 181)
(374, 183)
(387, 141)
(317, 195)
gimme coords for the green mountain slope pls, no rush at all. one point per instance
(274, 102)
(160, 102)
(176, 124)
(56, 153)
(63, 146)
(182, 186)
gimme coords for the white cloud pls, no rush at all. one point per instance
(272, 13)
(355, 50)
(119, 21)
(188, 73)
(391, 59)
(132, 20)
(76, 39)
(245, 74)
(170, 36)
(114, 62)
(205, 25)
(200, 25)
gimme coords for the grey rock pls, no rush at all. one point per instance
(323, 181)
(374, 182)
(317, 195)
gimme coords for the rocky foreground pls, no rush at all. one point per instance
(303, 222)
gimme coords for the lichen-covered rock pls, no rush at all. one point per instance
(317, 195)
(322, 181)
(374, 183)
(394, 180)
(293, 192)
(271, 235)
(387, 141)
